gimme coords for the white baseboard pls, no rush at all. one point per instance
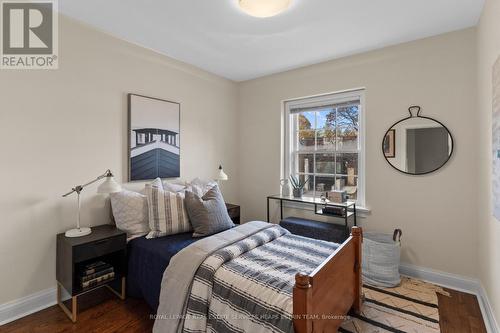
(457, 282)
(27, 305)
(487, 311)
(448, 280)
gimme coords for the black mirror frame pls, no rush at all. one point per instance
(410, 110)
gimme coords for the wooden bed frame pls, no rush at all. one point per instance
(322, 299)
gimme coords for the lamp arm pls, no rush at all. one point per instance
(79, 188)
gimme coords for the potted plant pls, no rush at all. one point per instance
(298, 186)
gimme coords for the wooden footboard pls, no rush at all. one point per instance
(322, 299)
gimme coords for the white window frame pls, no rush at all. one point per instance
(318, 101)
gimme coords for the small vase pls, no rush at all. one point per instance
(297, 192)
(285, 188)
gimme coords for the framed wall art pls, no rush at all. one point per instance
(154, 138)
(389, 144)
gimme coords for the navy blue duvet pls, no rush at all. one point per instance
(147, 260)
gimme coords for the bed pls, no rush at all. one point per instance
(313, 300)
(147, 260)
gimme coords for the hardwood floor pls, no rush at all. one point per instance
(101, 311)
(460, 313)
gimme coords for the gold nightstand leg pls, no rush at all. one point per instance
(73, 308)
(74, 304)
(71, 314)
(124, 288)
(120, 294)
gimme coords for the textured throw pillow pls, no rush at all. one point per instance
(130, 210)
(208, 214)
(167, 215)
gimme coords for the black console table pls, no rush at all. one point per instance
(348, 209)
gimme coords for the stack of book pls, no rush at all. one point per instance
(334, 211)
(96, 273)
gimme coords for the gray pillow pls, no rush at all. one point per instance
(208, 214)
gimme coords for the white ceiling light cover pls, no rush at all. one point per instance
(264, 8)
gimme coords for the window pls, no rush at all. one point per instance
(324, 143)
(141, 138)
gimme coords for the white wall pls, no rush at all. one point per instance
(63, 127)
(437, 212)
(489, 227)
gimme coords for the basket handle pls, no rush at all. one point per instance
(397, 235)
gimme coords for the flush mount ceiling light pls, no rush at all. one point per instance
(264, 8)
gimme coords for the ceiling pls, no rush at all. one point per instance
(218, 37)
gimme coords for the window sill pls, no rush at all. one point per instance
(362, 212)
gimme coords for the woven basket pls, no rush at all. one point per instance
(381, 256)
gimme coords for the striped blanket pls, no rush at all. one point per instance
(247, 286)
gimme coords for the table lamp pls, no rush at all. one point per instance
(108, 186)
(222, 175)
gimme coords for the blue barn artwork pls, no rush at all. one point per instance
(154, 138)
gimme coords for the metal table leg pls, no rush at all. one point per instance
(281, 210)
(268, 209)
(355, 216)
(346, 212)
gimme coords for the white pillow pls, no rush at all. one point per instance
(130, 210)
(171, 187)
(156, 183)
(200, 187)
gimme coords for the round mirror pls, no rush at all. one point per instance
(417, 145)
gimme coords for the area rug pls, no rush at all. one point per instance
(411, 307)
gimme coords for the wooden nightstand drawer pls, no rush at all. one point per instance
(99, 248)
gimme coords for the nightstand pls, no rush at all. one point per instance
(234, 212)
(106, 243)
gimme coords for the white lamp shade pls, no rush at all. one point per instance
(264, 8)
(109, 186)
(222, 175)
